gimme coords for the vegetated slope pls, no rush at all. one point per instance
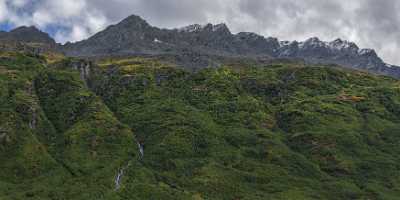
(276, 132)
(57, 139)
(236, 132)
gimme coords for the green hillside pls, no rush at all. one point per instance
(242, 131)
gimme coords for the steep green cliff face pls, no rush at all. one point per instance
(237, 132)
(58, 140)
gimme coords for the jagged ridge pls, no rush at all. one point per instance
(133, 36)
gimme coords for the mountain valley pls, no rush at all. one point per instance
(138, 112)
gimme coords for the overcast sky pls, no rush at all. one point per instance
(369, 23)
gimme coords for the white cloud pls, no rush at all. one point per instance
(77, 33)
(66, 8)
(3, 10)
(76, 18)
(42, 18)
(18, 3)
(95, 22)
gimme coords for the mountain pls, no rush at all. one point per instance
(124, 116)
(134, 35)
(339, 52)
(28, 39)
(139, 127)
(198, 46)
(28, 34)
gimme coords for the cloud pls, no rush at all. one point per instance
(369, 23)
(3, 10)
(18, 3)
(75, 19)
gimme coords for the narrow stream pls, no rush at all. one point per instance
(141, 151)
(118, 179)
(121, 171)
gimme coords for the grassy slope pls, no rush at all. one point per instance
(59, 141)
(275, 132)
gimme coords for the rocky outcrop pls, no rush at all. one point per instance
(4, 137)
(28, 35)
(84, 69)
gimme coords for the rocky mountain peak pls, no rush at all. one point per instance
(218, 28)
(343, 44)
(27, 34)
(367, 52)
(134, 35)
(133, 21)
(249, 36)
(222, 28)
(312, 42)
(25, 29)
(191, 28)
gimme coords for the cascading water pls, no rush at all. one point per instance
(141, 151)
(121, 171)
(118, 179)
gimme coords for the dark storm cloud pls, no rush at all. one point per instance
(370, 23)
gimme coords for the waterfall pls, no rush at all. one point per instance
(141, 151)
(121, 171)
(118, 178)
(33, 122)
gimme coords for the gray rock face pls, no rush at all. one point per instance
(133, 35)
(196, 45)
(27, 39)
(27, 34)
(339, 52)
